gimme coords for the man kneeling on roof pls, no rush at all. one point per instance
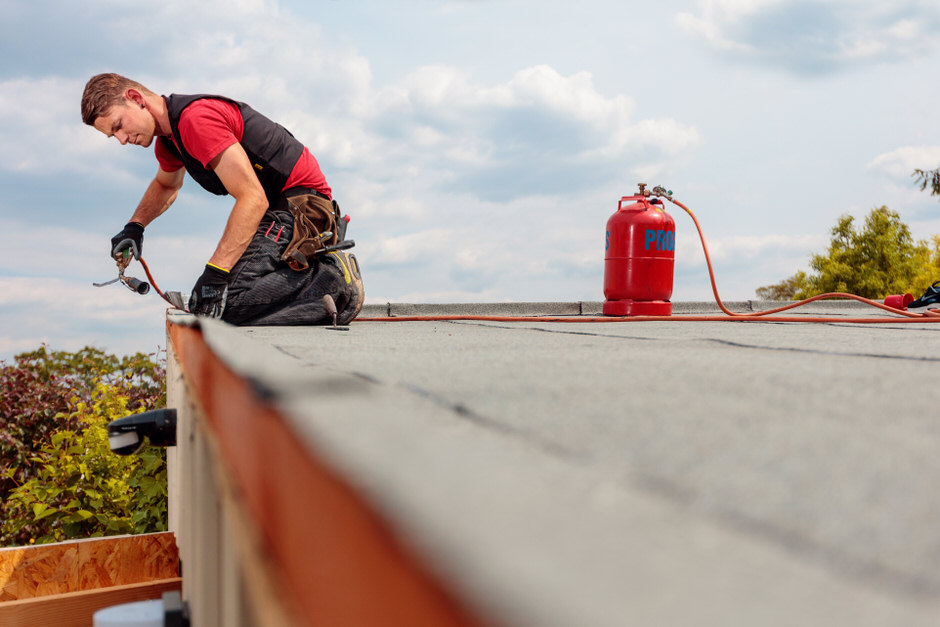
(282, 248)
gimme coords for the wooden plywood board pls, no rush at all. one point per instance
(64, 567)
(77, 609)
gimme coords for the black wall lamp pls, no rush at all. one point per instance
(126, 435)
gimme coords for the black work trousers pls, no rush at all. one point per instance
(263, 290)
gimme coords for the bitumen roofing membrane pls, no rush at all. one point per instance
(634, 473)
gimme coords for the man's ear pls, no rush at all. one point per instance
(135, 97)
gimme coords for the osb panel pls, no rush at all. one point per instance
(76, 609)
(132, 559)
(86, 564)
(37, 571)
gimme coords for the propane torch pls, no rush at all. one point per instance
(133, 284)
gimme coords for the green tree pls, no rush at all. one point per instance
(929, 178)
(785, 290)
(879, 259)
(929, 267)
(40, 390)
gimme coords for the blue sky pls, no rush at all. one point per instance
(479, 146)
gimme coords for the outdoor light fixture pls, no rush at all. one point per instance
(126, 435)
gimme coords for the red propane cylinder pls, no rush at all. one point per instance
(641, 252)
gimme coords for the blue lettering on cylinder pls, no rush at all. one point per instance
(664, 240)
(607, 244)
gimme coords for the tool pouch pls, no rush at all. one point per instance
(317, 224)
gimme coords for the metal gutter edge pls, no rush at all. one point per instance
(580, 308)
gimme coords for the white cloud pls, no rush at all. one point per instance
(816, 36)
(74, 254)
(46, 291)
(71, 314)
(410, 248)
(42, 120)
(539, 133)
(902, 162)
(746, 249)
(741, 264)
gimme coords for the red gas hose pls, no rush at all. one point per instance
(730, 316)
(152, 282)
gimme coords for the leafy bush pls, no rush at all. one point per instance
(785, 290)
(41, 393)
(82, 489)
(879, 259)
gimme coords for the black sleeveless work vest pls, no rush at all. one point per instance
(271, 148)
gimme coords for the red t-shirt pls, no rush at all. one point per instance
(209, 126)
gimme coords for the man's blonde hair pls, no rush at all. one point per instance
(105, 91)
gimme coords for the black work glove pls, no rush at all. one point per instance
(131, 238)
(208, 297)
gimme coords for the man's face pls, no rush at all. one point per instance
(129, 123)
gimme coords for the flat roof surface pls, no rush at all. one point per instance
(630, 473)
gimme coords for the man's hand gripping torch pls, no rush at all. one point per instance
(133, 284)
(123, 259)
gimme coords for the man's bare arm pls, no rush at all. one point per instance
(160, 194)
(233, 168)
